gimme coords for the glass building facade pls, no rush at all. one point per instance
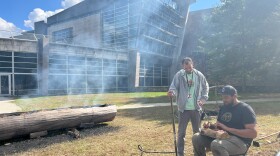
(153, 28)
(97, 46)
(18, 73)
(84, 73)
(63, 36)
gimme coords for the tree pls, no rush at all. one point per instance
(243, 43)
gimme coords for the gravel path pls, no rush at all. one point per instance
(133, 106)
(7, 105)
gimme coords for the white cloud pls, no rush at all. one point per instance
(68, 3)
(8, 29)
(39, 14)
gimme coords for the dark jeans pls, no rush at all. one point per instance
(225, 147)
(184, 119)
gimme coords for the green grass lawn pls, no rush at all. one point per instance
(50, 102)
(150, 127)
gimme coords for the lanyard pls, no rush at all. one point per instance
(189, 82)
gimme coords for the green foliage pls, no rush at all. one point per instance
(242, 41)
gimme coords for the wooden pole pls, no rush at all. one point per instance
(173, 126)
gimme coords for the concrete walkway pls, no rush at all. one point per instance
(133, 106)
(7, 105)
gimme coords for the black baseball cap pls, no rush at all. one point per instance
(229, 90)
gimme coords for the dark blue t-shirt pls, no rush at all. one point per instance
(237, 116)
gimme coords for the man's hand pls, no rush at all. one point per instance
(200, 102)
(221, 134)
(222, 126)
(170, 93)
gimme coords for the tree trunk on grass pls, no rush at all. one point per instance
(23, 123)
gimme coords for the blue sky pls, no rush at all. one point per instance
(14, 12)
(204, 4)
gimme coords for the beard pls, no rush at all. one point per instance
(229, 104)
(189, 71)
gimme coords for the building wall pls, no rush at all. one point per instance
(86, 30)
(111, 46)
(153, 29)
(149, 27)
(9, 44)
(45, 68)
(18, 67)
(81, 70)
(149, 33)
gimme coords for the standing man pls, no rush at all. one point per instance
(238, 119)
(191, 88)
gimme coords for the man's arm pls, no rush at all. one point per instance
(249, 131)
(173, 89)
(205, 90)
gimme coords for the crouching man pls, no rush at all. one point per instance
(236, 118)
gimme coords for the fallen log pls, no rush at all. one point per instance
(18, 124)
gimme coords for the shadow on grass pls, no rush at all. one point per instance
(266, 108)
(6, 98)
(147, 100)
(158, 99)
(161, 114)
(24, 144)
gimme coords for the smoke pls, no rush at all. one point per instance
(77, 64)
(76, 70)
(161, 33)
(93, 63)
(153, 35)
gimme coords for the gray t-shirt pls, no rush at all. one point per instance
(237, 116)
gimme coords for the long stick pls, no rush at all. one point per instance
(174, 129)
(267, 136)
(142, 151)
